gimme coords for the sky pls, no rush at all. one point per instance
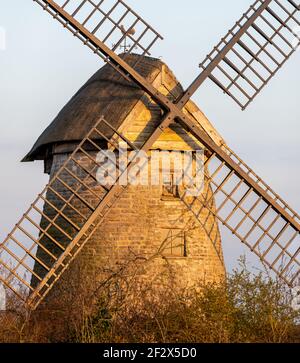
(43, 65)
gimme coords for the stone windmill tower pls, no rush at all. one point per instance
(136, 100)
(149, 222)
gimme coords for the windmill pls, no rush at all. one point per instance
(241, 64)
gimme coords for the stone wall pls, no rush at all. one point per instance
(150, 226)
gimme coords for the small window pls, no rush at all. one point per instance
(174, 243)
(169, 189)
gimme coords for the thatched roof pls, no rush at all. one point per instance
(105, 93)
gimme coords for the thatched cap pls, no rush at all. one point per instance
(108, 94)
(105, 93)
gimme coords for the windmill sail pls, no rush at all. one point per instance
(252, 52)
(249, 215)
(60, 236)
(111, 22)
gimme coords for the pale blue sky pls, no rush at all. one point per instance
(43, 66)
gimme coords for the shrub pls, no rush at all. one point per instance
(245, 308)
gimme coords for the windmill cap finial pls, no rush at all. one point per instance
(130, 31)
